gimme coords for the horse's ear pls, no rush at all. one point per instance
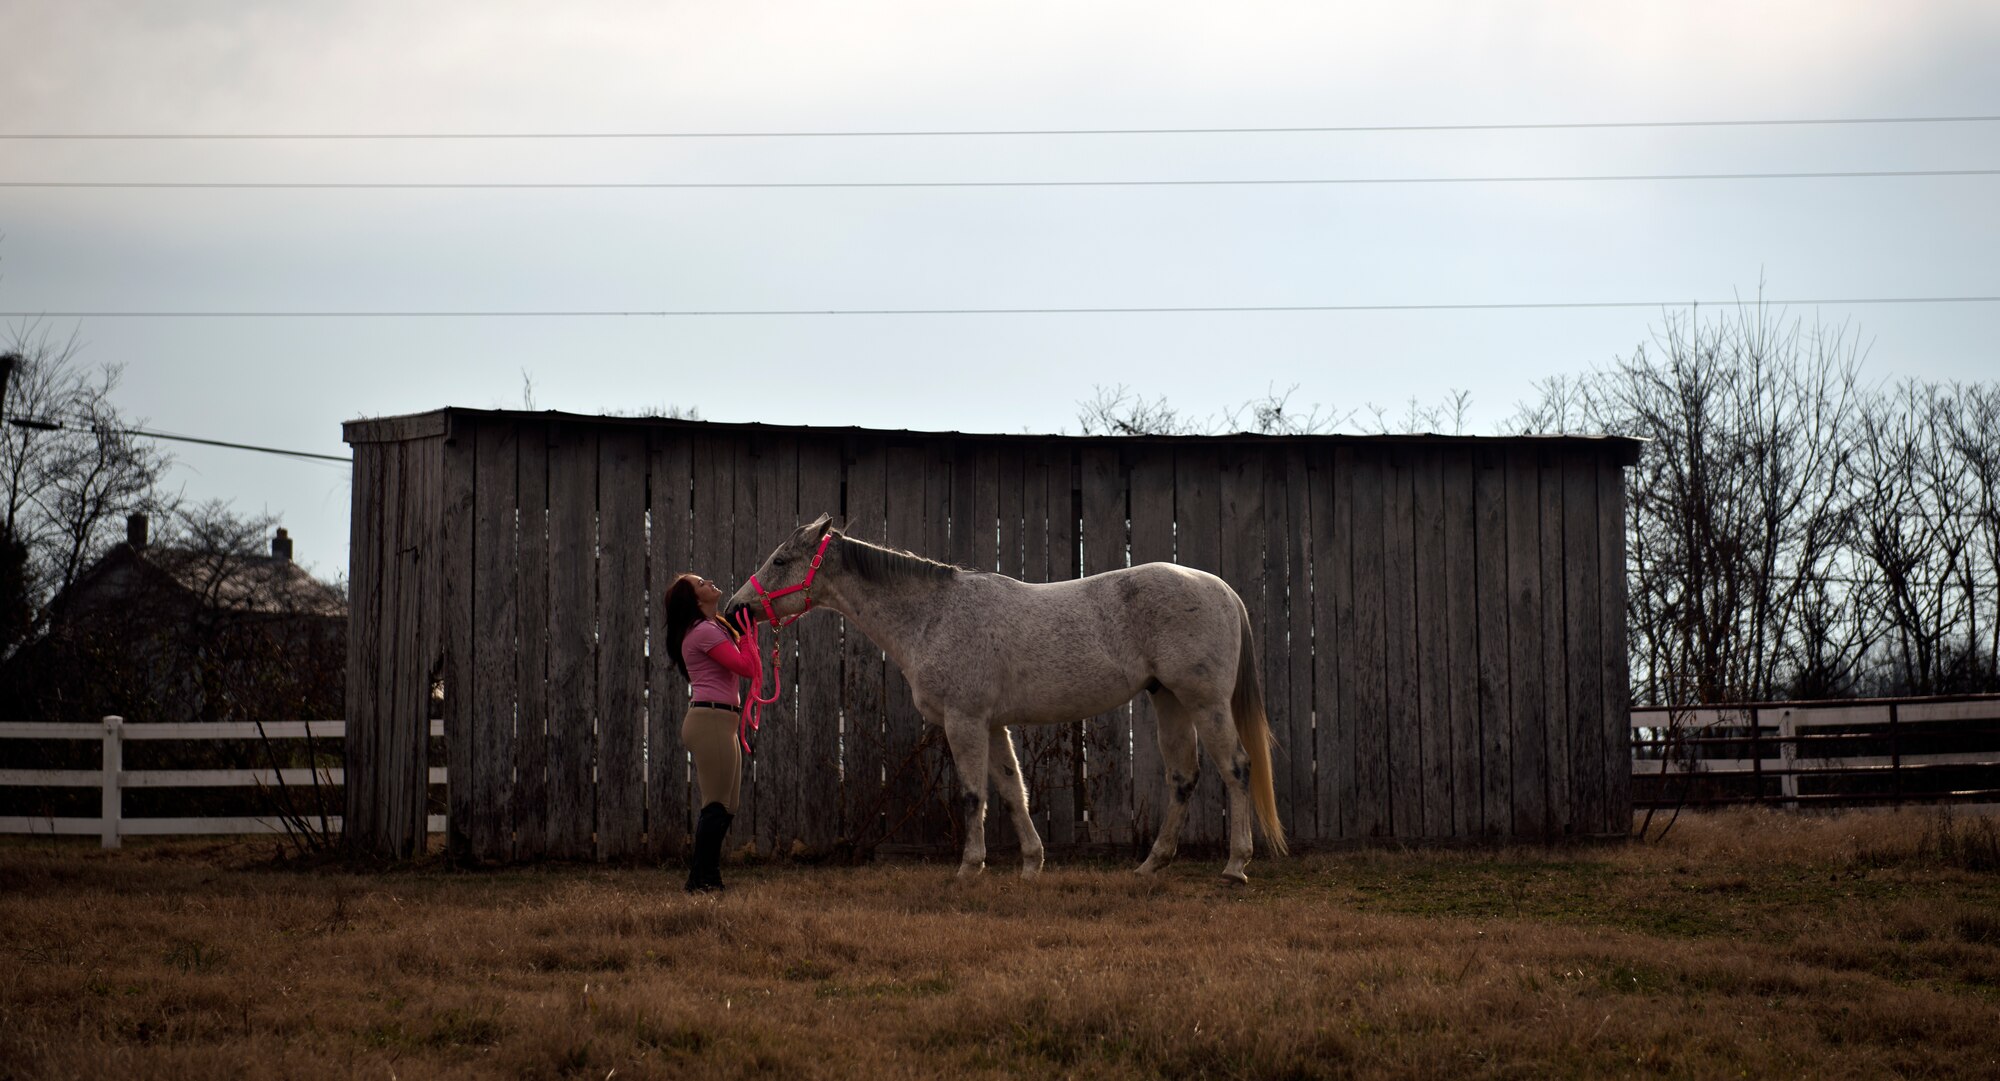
(816, 528)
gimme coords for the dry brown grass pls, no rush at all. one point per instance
(1758, 945)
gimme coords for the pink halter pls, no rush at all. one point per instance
(753, 705)
(767, 597)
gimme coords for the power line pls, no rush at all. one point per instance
(979, 132)
(610, 313)
(50, 425)
(651, 185)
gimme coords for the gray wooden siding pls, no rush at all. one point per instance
(1439, 625)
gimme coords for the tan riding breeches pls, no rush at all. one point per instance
(710, 735)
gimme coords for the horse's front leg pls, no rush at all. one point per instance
(967, 739)
(1004, 771)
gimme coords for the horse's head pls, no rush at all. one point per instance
(780, 590)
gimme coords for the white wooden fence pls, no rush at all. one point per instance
(113, 779)
(1926, 750)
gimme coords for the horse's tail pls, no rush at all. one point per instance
(1254, 729)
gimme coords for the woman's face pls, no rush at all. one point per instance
(706, 592)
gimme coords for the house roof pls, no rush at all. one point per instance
(248, 584)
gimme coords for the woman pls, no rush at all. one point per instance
(712, 656)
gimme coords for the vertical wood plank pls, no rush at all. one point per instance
(963, 497)
(1066, 759)
(1433, 668)
(572, 653)
(817, 679)
(398, 648)
(383, 784)
(908, 802)
(1367, 662)
(670, 513)
(1150, 503)
(1107, 738)
(431, 635)
(1198, 543)
(745, 551)
(938, 825)
(621, 645)
(1332, 561)
(986, 508)
(1583, 636)
(862, 746)
(1284, 529)
(494, 632)
(1492, 614)
(366, 540)
(531, 694)
(778, 764)
(1240, 497)
(462, 722)
(1405, 742)
(1614, 655)
(1524, 620)
(1461, 644)
(1033, 744)
(1555, 669)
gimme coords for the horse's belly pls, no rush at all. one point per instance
(1052, 706)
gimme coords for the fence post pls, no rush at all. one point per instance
(1895, 753)
(1756, 757)
(114, 766)
(1788, 753)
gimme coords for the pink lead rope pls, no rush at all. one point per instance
(753, 705)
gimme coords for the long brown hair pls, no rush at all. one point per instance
(683, 612)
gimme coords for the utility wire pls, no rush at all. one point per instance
(609, 313)
(980, 132)
(529, 185)
(45, 424)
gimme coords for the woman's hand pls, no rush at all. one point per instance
(746, 624)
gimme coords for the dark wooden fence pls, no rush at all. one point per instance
(1440, 624)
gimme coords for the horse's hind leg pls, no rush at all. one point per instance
(1218, 735)
(967, 740)
(1004, 772)
(1177, 751)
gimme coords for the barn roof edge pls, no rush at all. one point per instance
(441, 422)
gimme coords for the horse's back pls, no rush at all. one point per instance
(1055, 651)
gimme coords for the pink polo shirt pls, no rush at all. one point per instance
(709, 679)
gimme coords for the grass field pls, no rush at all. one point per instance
(1744, 945)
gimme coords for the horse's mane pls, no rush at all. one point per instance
(880, 565)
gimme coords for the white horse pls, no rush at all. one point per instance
(983, 651)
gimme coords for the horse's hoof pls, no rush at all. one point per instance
(1147, 868)
(970, 870)
(1237, 877)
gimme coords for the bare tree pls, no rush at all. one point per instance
(1120, 411)
(70, 471)
(1921, 531)
(1743, 502)
(1972, 427)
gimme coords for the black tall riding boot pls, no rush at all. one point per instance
(724, 819)
(705, 867)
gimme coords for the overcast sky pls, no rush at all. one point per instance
(79, 67)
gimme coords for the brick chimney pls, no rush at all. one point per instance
(281, 545)
(135, 530)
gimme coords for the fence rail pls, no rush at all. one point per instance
(114, 780)
(1934, 749)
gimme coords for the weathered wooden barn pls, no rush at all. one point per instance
(1441, 628)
